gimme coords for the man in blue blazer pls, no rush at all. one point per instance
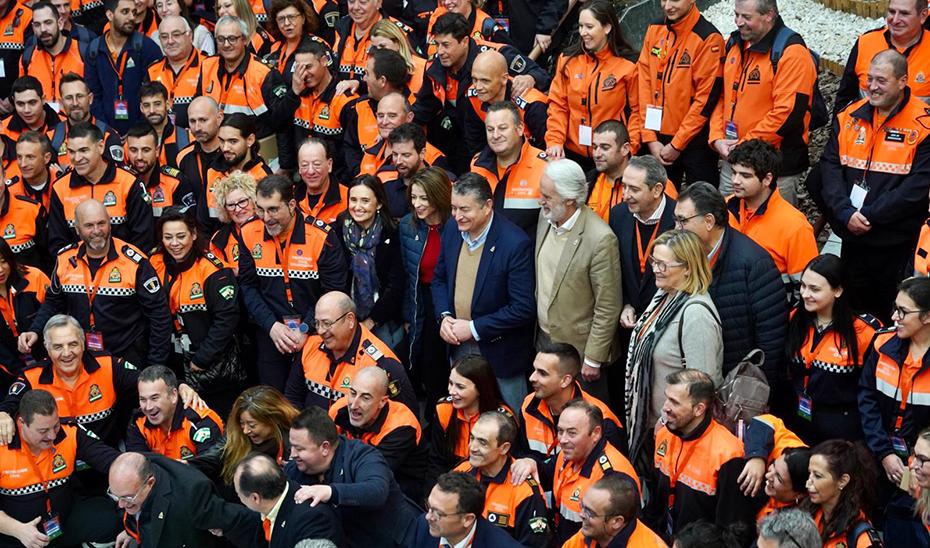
(453, 517)
(484, 287)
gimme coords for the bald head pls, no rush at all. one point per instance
(130, 465)
(90, 209)
(893, 59)
(489, 76)
(203, 104)
(204, 116)
(372, 380)
(336, 301)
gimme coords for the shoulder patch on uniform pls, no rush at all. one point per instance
(116, 152)
(213, 259)
(505, 411)
(604, 462)
(17, 387)
(871, 320)
(518, 64)
(472, 92)
(26, 199)
(133, 255)
(542, 156)
(152, 285)
(372, 350)
(168, 170)
(129, 366)
(279, 91)
(227, 292)
(201, 435)
(318, 223)
(538, 525)
(520, 102)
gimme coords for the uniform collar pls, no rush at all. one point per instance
(906, 53)
(351, 351)
(622, 539)
(498, 479)
(91, 365)
(51, 120)
(64, 50)
(698, 432)
(108, 175)
(155, 175)
(866, 111)
(17, 442)
(593, 457)
(176, 421)
(239, 70)
(686, 23)
(297, 234)
(111, 253)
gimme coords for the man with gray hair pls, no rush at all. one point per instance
(646, 212)
(790, 528)
(240, 82)
(483, 287)
(578, 297)
(179, 71)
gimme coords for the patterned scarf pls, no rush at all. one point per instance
(361, 244)
(646, 334)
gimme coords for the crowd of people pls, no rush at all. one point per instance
(378, 273)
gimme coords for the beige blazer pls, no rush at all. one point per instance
(585, 304)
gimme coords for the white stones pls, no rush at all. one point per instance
(829, 33)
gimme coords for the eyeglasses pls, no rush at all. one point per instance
(438, 514)
(587, 513)
(326, 325)
(241, 204)
(227, 39)
(919, 460)
(174, 36)
(661, 266)
(127, 499)
(680, 221)
(288, 18)
(901, 313)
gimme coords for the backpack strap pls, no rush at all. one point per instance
(28, 52)
(779, 44)
(681, 326)
(857, 530)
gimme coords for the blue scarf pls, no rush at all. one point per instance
(361, 244)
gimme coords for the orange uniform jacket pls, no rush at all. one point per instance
(397, 434)
(865, 539)
(125, 197)
(192, 432)
(15, 20)
(104, 381)
(922, 251)
(855, 77)
(893, 156)
(334, 201)
(533, 107)
(571, 480)
(352, 52)
(825, 370)
(539, 426)
(23, 495)
(680, 72)
(516, 188)
(764, 105)
(587, 90)
(635, 535)
(18, 309)
(181, 86)
(767, 437)
(22, 222)
(377, 162)
(48, 68)
(781, 230)
(697, 479)
(441, 460)
(320, 379)
(604, 194)
(225, 243)
(518, 509)
(166, 188)
(252, 88)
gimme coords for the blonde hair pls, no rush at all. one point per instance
(267, 406)
(386, 29)
(237, 180)
(688, 249)
(244, 12)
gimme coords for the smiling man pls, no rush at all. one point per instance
(29, 111)
(340, 350)
(164, 425)
(291, 261)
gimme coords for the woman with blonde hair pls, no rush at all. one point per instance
(243, 10)
(235, 196)
(680, 328)
(387, 35)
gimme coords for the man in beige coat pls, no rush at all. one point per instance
(578, 291)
